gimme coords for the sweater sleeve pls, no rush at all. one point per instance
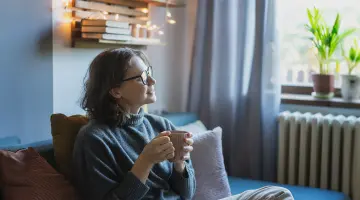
(184, 184)
(97, 177)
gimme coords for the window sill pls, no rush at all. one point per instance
(304, 99)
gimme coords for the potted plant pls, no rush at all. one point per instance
(350, 84)
(326, 39)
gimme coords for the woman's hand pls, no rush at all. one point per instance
(159, 149)
(188, 148)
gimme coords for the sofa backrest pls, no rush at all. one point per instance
(45, 148)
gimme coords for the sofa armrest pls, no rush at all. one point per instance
(10, 140)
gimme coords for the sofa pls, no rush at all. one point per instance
(237, 185)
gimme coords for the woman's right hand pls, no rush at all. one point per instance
(159, 149)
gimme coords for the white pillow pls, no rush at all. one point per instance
(207, 158)
(194, 127)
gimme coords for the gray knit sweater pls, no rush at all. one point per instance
(103, 157)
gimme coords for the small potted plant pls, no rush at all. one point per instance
(350, 84)
(326, 39)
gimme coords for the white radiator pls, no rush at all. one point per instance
(320, 151)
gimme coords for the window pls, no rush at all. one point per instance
(297, 57)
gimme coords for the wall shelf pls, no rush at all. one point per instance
(133, 12)
(99, 43)
(144, 3)
(162, 3)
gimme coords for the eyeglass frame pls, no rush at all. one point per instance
(148, 71)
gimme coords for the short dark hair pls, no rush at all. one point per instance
(105, 72)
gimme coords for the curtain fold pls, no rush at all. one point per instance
(234, 81)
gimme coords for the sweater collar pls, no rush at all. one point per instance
(134, 119)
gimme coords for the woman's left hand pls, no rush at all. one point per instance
(188, 148)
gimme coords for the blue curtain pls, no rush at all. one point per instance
(235, 83)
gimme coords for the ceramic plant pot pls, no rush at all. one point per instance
(350, 87)
(323, 85)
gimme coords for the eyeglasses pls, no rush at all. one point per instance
(144, 76)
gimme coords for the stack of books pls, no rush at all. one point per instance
(105, 30)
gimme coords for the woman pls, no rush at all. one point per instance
(122, 153)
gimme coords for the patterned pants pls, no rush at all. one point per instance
(264, 193)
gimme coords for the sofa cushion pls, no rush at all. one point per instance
(64, 130)
(44, 148)
(194, 127)
(26, 175)
(208, 163)
(239, 185)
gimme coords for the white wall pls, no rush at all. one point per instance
(171, 64)
(25, 69)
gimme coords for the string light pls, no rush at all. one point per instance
(169, 18)
(67, 19)
(145, 10)
(68, 10)
(171, 21)
(104, 14)
(67, 3)
(168, 14)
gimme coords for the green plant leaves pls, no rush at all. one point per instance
(325, 38)
(353, 57)
(336, 26)
(352, 54)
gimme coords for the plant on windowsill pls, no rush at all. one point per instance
(326, 39)
(350, 84)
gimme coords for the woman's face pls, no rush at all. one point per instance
(133, 93)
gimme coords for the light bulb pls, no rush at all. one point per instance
(116, 16)
(168, 14)
(66, 3)
(67, 19)
(144, 10)
(105, 13)
(171, 21)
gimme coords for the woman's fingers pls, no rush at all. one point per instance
(185, 157)
(164, 147)
(161, 140)
(164, 133)
(189, 141)
(170, 155)
(169, 152)
(188, 149)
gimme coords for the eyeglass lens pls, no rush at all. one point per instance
(146, 74)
